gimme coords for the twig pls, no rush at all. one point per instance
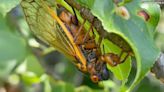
(158, 68)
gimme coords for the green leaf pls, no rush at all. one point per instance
(34, 65)
(12, 51)
(124, 2)
(12, 47)
(7, 5)
(62, 87)
(134, 30)
(86, 89)
(3, 25)
(30, 64)
(6, 68)
(83, 89)
(30, 78)
(153, 10)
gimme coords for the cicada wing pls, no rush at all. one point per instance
(45, 27)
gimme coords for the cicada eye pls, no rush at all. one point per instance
(94, 78)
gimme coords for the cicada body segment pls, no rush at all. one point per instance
(96, 68)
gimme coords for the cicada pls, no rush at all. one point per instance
(65, 34)
(47, 26)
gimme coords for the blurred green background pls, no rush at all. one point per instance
(25, 62)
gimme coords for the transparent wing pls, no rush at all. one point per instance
(45, 27)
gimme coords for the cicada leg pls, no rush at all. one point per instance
(79, 31)
(81, 67)
(125, 58)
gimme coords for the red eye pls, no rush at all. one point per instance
(94, 78)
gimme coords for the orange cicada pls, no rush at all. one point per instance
(47, 26)
(96, 61)
(68, 37)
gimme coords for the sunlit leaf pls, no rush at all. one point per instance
(30, 78)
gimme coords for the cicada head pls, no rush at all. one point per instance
(101, 75)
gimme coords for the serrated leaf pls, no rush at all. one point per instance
(7, 5)
(133, 30)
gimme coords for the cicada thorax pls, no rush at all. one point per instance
(73, 26)
(114, 38)
(96, 61)
(96, 69)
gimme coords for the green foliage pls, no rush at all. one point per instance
(34, 65)
(8, 49)
(13, 49)
(16, 57)
(62, 87)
